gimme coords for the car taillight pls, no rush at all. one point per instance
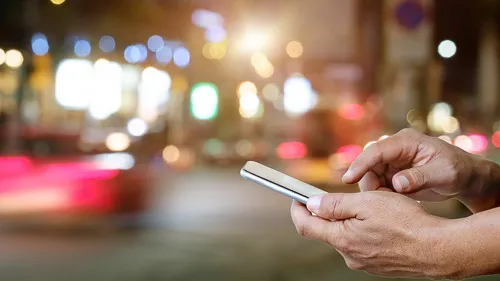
(80, 171)
(14, 165)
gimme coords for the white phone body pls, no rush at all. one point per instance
(279, 182)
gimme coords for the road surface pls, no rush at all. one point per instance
(208, 224)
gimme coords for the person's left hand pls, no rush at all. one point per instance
(379, 232)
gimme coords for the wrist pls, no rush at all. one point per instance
(482, 192)
(444, 252)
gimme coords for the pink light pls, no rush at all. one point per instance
(352, 111)
(479, 143)
(349, 153)
(291, 150)
(78, 171)
(14, 165)
(463, 142)
(495, 139)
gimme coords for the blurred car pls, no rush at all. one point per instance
(51, 181)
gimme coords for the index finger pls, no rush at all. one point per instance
(402, 146)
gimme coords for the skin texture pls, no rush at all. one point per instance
(389, 233)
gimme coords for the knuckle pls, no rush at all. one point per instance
(418, 176)
(408, 132)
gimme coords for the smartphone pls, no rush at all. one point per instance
(279, 182)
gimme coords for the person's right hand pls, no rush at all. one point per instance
(423, 167)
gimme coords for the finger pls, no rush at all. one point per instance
(402, 146)
(369, 182)
(416, 179)
(308, 225)
(337, 206)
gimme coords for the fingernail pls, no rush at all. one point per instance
(404, 183)
(313, 203)
(347, 176)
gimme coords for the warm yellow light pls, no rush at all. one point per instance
(217, 51)
(3, 56)
(171, 154)
(265, 71)
(254, 40)
(100, 63)
(249, 105)
(294, 49)
(450, 125)
(14, 59)
(247, 87)
(117, 142)
(206, 51)
(57, 2)
(258, 59)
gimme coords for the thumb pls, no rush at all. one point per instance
(335, 206)
(413, 179)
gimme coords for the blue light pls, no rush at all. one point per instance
(215, 34)
(82, 48)
(39, 44)
(164, 55)
(132, 54)
(182, 57)
(107, 44)
(143, 52)
(155, 43)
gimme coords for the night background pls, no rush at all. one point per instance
(124, 123)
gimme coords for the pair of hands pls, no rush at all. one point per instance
(386, 233)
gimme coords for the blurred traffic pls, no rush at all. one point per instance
(140, 113)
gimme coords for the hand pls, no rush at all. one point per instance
(382, 233)
(422, 167)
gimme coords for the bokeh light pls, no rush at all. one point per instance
(247, 87)
(74, 83)
(352, 111)
(258, 59)
(107, 94)
(204, 101)
(206, 19)
(107, 44)
(249, 105)
(215, 51)
(291, 150)
(14, 59)
(245, 148)
(215, 34)
(439, 115)
(3, 56)
(298, 95)
(265, 71)
(117, 142)
(479, 143)
(450, 125)
(57, 2)
(254, 40)
(155, 43)
(39, 44)
(137, 127)
(294, 49)
(271, 92)
(164, 55)
(82, 48)
(171, 154)
(495, 139)
(182, 57)
(463, 142)
(350, 152)
(132, 54)
(447, 49)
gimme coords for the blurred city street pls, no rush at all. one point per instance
(206, 225)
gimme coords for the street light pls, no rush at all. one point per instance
(57, 2)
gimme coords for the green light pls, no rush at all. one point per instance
(204, 101)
